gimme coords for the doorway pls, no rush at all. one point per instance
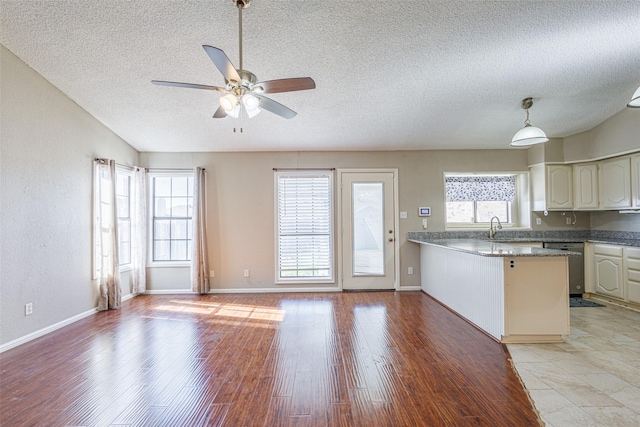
(368, 224)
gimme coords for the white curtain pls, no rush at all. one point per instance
(199, 258)
(139, 231)
(107, 236)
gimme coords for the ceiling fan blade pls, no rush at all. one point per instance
(221, 61)
(188, 85)
(220, 113)
(275, 107)
(285, 85)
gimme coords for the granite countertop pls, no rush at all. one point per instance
(622, 238)
(493, 248)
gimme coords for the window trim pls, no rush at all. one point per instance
(332, 257)
(121, 170)
(151, 174)
(520, 207)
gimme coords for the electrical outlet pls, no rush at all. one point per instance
(212, 273)
(28, 309)
(410, 270)
(246, 273)
(568, 221)
(538, 221)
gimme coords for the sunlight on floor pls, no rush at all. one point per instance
(238, 311)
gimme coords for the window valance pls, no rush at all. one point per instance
(480, 188)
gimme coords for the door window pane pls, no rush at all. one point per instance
(368, 228)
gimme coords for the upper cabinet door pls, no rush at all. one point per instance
(635, 177)
(559, 187)
(585, 186)
(614, 176)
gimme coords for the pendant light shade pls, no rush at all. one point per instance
(528, 135)
(635, 100)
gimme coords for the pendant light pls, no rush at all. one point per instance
(635, 100)
(528, 135)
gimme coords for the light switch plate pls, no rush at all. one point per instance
(403, 215)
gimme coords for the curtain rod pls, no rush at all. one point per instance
(106, 161)
(304, 169)
(170, 169)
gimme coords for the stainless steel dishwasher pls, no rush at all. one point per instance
(576, 265)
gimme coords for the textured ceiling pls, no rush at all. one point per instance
(390, 75)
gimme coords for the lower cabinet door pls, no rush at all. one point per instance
(608, 272)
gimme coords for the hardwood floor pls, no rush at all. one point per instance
(337, 359)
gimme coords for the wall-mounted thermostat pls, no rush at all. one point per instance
(424, 211)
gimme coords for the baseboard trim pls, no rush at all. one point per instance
(259, 290)
(44, 331)
(167, 292)
(242, 291)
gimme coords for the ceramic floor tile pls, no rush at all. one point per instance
(559, 411)
(575, 363)
(606, 383)
(593, 378)
(616, 416)
(581, 393)
(630, 397)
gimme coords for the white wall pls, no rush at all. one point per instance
(619, 134)
(240, 218)
(47, 143)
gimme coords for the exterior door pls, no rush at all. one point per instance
(368, 230)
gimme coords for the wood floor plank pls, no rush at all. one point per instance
(315, 359)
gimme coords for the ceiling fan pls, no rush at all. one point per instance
(242, 87)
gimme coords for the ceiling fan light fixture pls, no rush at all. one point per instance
(251, 105)
(635, 100)
(528, 135)
(228, 102)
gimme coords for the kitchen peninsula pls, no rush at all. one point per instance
(515, 293)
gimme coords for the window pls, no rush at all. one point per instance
(475, 199)
(102, 204)
(172, 201)
(304, 226)
(123, 207)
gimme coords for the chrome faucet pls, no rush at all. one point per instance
(493, 230)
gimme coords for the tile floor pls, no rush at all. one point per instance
(593, 378)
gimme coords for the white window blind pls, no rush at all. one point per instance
(304, 226)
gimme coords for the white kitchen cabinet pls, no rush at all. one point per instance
(552, 187)
(614, 176)
(585, 186)
(632, 274)
(608, 273)
(635, 180)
